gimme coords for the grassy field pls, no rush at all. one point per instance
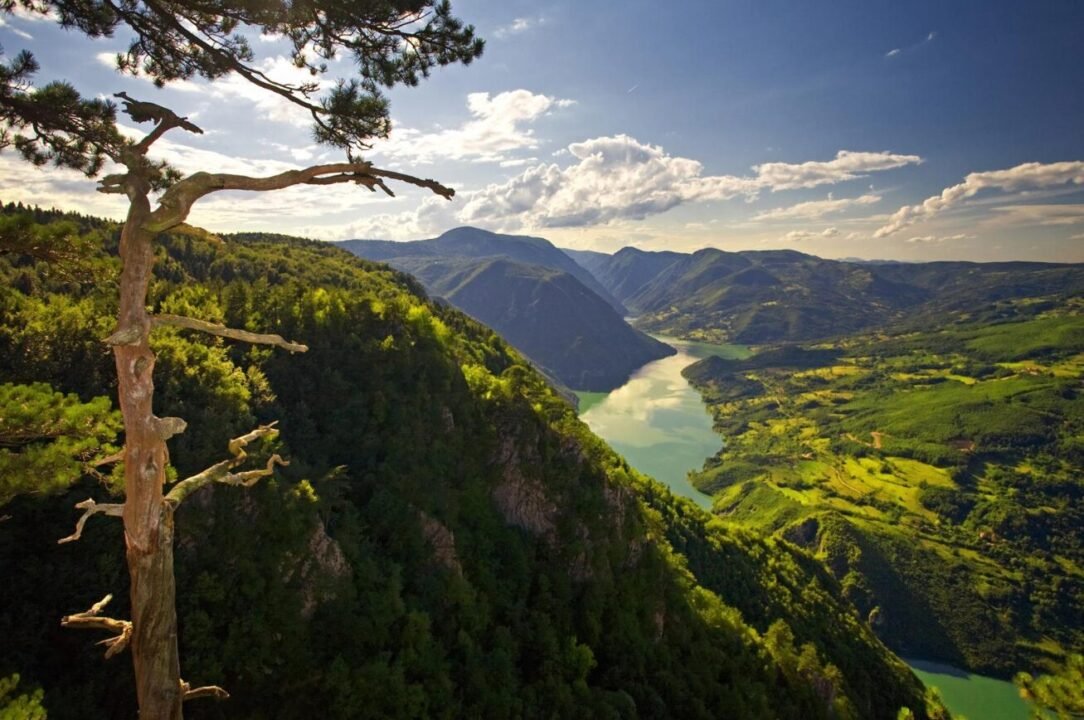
(940, 476)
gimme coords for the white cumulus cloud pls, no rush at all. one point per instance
(497, 127)
(847, 165)
(1022, 177)
(802, 235)
(619, 178)
(612, 178)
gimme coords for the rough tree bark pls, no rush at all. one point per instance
(147, 511)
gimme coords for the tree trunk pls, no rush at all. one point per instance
(148, 523)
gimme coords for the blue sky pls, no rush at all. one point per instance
(910, 130)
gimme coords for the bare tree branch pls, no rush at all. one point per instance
(91, 508)
(190, 693)
(177, 201)
(91, 620)
(222, 331)
(221, 472)
(107, 460)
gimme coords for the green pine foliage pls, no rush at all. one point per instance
(48, 439)
(22, 706)
(449, 540)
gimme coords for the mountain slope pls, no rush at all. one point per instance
(782, 295)
(522, 288)
(936, 472)
(478, 243)
(546, 314)
(627, 271)
(448, 540)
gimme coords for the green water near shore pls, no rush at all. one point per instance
(975, 697)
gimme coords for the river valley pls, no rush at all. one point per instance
(659, 423)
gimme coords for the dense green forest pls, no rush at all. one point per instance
(448, 539)
(936, 472)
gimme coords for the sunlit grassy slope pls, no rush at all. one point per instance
(937, 473)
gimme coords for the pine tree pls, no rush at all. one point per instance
(391, 42)
(48, 439)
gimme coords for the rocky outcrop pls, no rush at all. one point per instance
(522, 501)
(316, 570)
(442, 541)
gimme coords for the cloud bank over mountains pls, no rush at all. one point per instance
(621, 178)
(1027, 176)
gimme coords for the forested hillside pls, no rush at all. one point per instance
(448, 540)
(937, 474)
(538, 299)
(756, 297)
(548, 315)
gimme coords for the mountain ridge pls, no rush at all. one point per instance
(783, 295)
(474, 242)
(562, 324)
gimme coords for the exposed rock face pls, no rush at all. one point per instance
(525, 500)
(521, 500)
(442, 540)
(523, 503)
(825, 689)
(322, 561)
(659, 619)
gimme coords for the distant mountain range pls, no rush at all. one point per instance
(469, 242)
(545, 304)
(564, 309)
(783, 295)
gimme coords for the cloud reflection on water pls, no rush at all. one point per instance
(659, 423)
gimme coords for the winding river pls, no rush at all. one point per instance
(658, 422)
